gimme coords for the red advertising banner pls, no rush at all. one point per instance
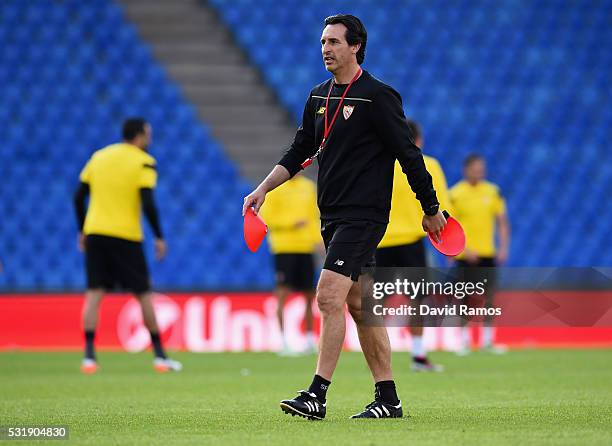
(214, 322)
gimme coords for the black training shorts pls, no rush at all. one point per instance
(483, 270)
(350, 245)
(411, 255)
(114, 262)
(295, 271)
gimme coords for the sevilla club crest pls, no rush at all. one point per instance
(347, 111)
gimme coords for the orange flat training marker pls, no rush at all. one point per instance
(452, 239)
(254, 230)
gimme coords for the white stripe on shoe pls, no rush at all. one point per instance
(299, 412)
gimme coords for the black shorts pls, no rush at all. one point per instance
(114, 262)
(295, 271)
(351, 245)
(483, 262)
(483, 270)
(411, 255)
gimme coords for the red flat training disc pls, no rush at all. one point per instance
(452, 240)
(254, 230)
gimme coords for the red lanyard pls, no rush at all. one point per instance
(327, 130)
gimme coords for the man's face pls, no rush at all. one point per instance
(336, 51)
(476, 171)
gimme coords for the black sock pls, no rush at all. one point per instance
(89, 344)
(157, 347)
(319, 387)
(385, 391)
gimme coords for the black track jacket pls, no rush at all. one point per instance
(356, 166)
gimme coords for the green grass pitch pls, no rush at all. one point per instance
(524, 397)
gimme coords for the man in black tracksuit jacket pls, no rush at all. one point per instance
(354, 185)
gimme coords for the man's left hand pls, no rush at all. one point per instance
(502, 256)
(434, 224)
(160, 248)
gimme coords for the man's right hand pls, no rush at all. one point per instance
(81, 242)
(255, 199)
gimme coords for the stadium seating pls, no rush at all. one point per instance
(70, 72)
(525, 84)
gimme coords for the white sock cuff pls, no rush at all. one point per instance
(418, 346)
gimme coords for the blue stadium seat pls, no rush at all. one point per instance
(65, 71)
(529, 85)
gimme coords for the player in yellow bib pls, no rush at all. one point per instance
(481, 209)
(120, 179)
(403, 244)
(292, 216)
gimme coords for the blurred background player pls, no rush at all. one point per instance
(120, 179)
(403, 244)
(481, 209)
(292, 216)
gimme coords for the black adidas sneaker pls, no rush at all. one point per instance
(304, 405)
(378, 409)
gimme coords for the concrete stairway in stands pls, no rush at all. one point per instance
(201, 56)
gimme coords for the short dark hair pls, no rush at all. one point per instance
(415, 129)
(355, 32)
(471, 158)
(132, 127)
